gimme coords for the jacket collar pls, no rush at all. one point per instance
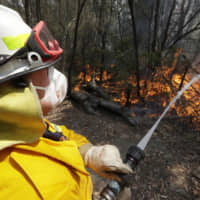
(20, 115)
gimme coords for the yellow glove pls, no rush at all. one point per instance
(106, 161)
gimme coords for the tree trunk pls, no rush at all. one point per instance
(119, 20)
(38, 11)
(103, 48)
(135, 44)
(27, 11)
(79, 11)
(155, 31)
(63, 41)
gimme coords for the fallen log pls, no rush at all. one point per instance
(120, 110)
(93, 88)
(88, 101)
(91, 103)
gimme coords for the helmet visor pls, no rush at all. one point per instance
(42, 41)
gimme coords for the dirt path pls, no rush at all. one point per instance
(170, 170)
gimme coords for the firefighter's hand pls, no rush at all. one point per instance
(106, 161)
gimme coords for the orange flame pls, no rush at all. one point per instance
(162, 88)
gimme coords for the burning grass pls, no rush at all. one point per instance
(156, 90)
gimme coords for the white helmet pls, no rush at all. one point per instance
(17, 39)
(13, 32)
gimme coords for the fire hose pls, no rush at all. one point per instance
(112, 190)
(136, 153)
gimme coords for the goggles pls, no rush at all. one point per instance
(40, 51)
(42, 42)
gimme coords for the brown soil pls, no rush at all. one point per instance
(170, 170)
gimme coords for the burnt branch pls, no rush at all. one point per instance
(191, 18)
(94, 88)
(188, 65)
(168, 25)
(180, 37)
(98, 99)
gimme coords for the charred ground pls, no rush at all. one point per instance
(170, 169)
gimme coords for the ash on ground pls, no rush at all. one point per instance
(171, 168)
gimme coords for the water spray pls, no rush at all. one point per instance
(136, 153)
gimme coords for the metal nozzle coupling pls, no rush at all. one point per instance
(111, 191)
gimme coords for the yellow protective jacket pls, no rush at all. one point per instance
(45, 169)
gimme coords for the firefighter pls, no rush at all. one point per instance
(38, 159)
